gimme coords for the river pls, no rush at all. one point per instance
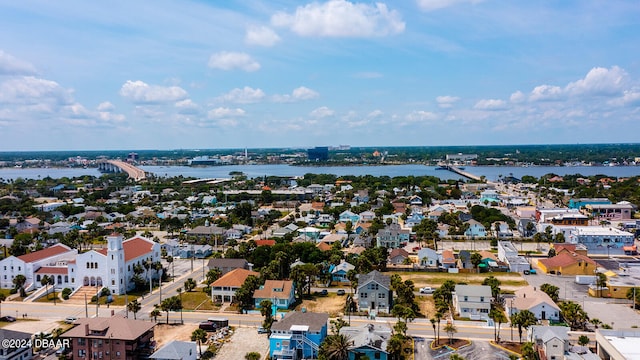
(490, 172)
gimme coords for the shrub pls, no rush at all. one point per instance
(65, 293)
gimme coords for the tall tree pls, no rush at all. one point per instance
(551, 290)
(189, 285)
(450, 329)
(476, 259)
(44, 281)
(134, 306)
(200, 336)
(266, 309)
(335, 347)
(523, 320)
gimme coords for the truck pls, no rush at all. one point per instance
(585, 279)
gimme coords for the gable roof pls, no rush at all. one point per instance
(227, 263)
(315, 321)
(375, 275)
(234, 278)
(565, 258)
(343, 266)
(398, 252)
(45, 253)
(268, 290)
(529, 297)
(133, 247)
(175, 350)
(373, 336)
(473, 290)
(115, 327)
(448, 257)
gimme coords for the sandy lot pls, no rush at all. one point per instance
(164, 333)
(243, 341)
(332, 304)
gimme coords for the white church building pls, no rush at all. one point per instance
(112, 267)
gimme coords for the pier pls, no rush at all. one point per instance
(116, 166)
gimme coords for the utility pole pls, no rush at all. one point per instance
(86, 307)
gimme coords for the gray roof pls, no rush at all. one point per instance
(546, 333)
(315, 321)
(473, 290)
(227, 263)
(175, 350)
(369, 335)
(12, 334)
(206, 230)
(375, 275)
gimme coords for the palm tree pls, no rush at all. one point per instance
(199, 335)
(476, 259)
(179, 291)
(450, 329)
(19, 282)
(438, 317)
(433, 324)
(528, 351)
(44, 281)
(189, 285)
(336, 347)
(523, 320)
(169, 259)
(134, 306)
(498, 317)
(154, 314)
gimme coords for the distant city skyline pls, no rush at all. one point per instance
(78, 75)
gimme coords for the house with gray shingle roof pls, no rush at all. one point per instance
(472, 301)
(368, 341)
(374, 293)
(177, 350)
(298, 335)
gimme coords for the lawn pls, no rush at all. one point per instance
(507, 280)
(197, 300)
(120, 300)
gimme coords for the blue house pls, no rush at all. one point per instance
(339, 272)
(349, 216)
(280, 292)
(368, 341)
(298, 336)
(413, 220)
(475, 229)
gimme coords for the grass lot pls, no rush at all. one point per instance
(49, 298)
(119, 300)
(5, 292)
(509, 281)
(198, 300)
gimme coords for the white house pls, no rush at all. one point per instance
(536, 301)
(553, 340)
(472, 301)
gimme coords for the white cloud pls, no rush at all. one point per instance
(490, 104)
(32, 90)
(545, 92)
(226, 60)
(420, 116)
(446, 101)
(105, 106)
(298, 94)
(246, 95)
(341, 18)
(223, 112)
(261, 36)
(10, 65)
(600, 81)
(517, 97)
(142, 93)
(430, 5)
(630, 97)
(375, 114)
(187, 106)
(321, 112)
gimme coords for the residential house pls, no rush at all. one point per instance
(550, 342)
(298, 336)
(347, 216)
(112, 337)
(536, 301)
(447, 260)
(224, 289)
(413, 220)
(280, 292)
(339, 272)
(398, 256)
(361, 197)
(472, 301)
(415, 200)
(374, 293)
(428, 257)
(392, 236)
(367, 341)
(177, 350)
(227, 265)
(367, 216)
(17, 348)
(464, 260)
(310, 233)
(568, 263)
(475, 230)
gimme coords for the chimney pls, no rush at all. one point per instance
(86, 329)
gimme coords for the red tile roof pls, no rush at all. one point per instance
(278, 289)
(234, 278)
(565, 259)
(448, 257)
(265, 242)
(53, 270)
(44, 253)
(133, 248)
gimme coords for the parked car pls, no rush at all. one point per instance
(427, 290)
(207, 325)
(341, 292)
(324, 292)
(262, 330)
(70, 319)
(7, 318)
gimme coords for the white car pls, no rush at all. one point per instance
(427, 290)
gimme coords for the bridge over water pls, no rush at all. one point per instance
(116, 166)
(461, 172)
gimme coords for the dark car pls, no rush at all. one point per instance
(340, 292)
(208, 326)
(7, 318)
(324, 292)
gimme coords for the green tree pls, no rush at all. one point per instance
(498, 317)
(189, 285)
(476, 259)
(634, 294)
(213, 275)
(44, 281)
(171, 304)
(523, 320)
(450, 329)
(19, 282)
(528, 352)
(200, 336)
(583, 340)
(244, 295)
(252, 356)
(551, 290)
(335, 347)
(154, 314)
(494, 283)
(134, 306)
(266, 309)
(573, 314)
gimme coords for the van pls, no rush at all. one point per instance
(219, 322)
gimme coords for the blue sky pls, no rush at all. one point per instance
(224, 74)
